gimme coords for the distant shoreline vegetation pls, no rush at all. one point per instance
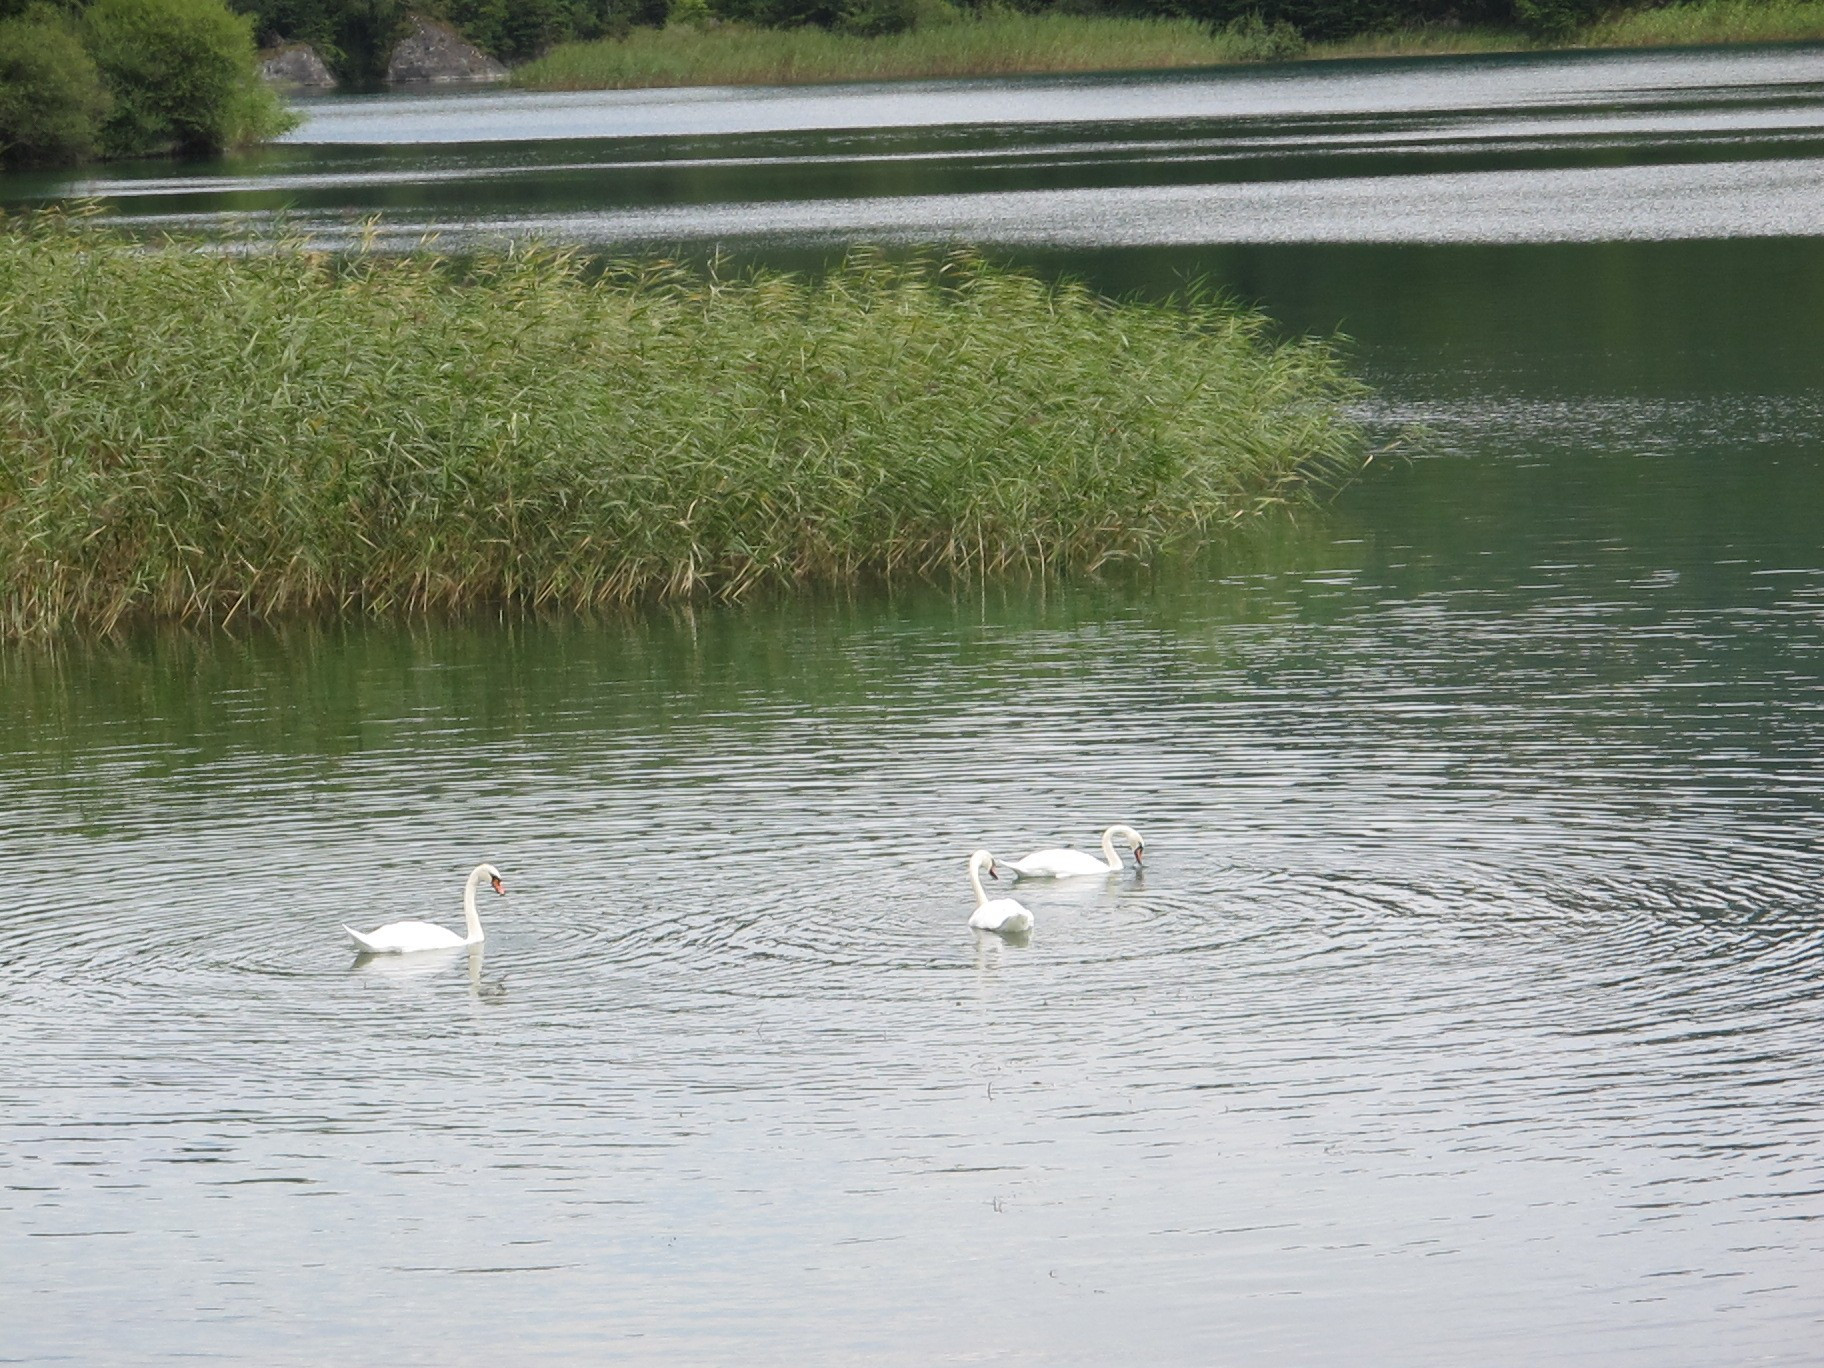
(592, 44)
(82, 80)
(906, 39)
(216, 436)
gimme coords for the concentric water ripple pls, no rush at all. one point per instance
(1469, 1005)
(1478, 924)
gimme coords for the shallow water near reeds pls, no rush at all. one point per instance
(1470, 1005)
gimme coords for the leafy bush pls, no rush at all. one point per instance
(779, 13)
(51, 99)
(1326, 20)
(1554, 20)
(182, 76)
(877, 18)
(1253, 39)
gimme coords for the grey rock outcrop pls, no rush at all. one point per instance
(435, 54)
(295, 66)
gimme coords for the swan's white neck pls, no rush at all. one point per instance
(976, 862)
(468, 903)
(1108, 848)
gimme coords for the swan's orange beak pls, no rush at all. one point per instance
(991, 873)
(499, 887)
(1139, 853)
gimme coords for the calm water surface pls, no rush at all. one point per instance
(1470, 1005)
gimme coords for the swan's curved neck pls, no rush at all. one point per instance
(975, 882)
(1108, 849)
(468, 905)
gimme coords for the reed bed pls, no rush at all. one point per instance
(1433, 40)
(1710, 21)
(208, 435)
(1694, 24)
(999, 43)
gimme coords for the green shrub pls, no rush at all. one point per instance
(878, 18)
(182, 77)
(1253, 39)
(693, 14)
(1328, 20)
(51, 99)
(1554, 21)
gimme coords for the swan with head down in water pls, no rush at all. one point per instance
(994, 914)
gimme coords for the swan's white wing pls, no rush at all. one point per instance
(1056, 864)
(400, 938)
(1001, 914)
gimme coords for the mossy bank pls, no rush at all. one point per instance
(208, 435)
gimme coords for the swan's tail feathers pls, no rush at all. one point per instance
(360, 939)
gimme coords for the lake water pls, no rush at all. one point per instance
(1470, 1004)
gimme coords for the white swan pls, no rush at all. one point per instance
(400, 938)
(1066, 864)
(994, 914)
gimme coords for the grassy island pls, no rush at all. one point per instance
(209, 435)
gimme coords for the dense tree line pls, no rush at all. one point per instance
(127, 78)
(355, 36)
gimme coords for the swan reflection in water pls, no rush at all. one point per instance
(426, 964)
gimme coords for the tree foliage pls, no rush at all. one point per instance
(51, 97)
(128, 78)
(356, 36)
(182, 76)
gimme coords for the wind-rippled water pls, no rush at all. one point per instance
(1657, 146)
(1470, 1004)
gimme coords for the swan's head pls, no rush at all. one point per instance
(983, 860)
(494, 879)
(1132, 837)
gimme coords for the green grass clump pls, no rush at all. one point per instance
(196, 434)
(999, 43)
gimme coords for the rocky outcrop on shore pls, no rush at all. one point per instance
(295, 66)
(433, 53)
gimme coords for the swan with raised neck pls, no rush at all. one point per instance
(1063, 863)
(399, 938)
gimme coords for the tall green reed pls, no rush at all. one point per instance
(209, 434)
